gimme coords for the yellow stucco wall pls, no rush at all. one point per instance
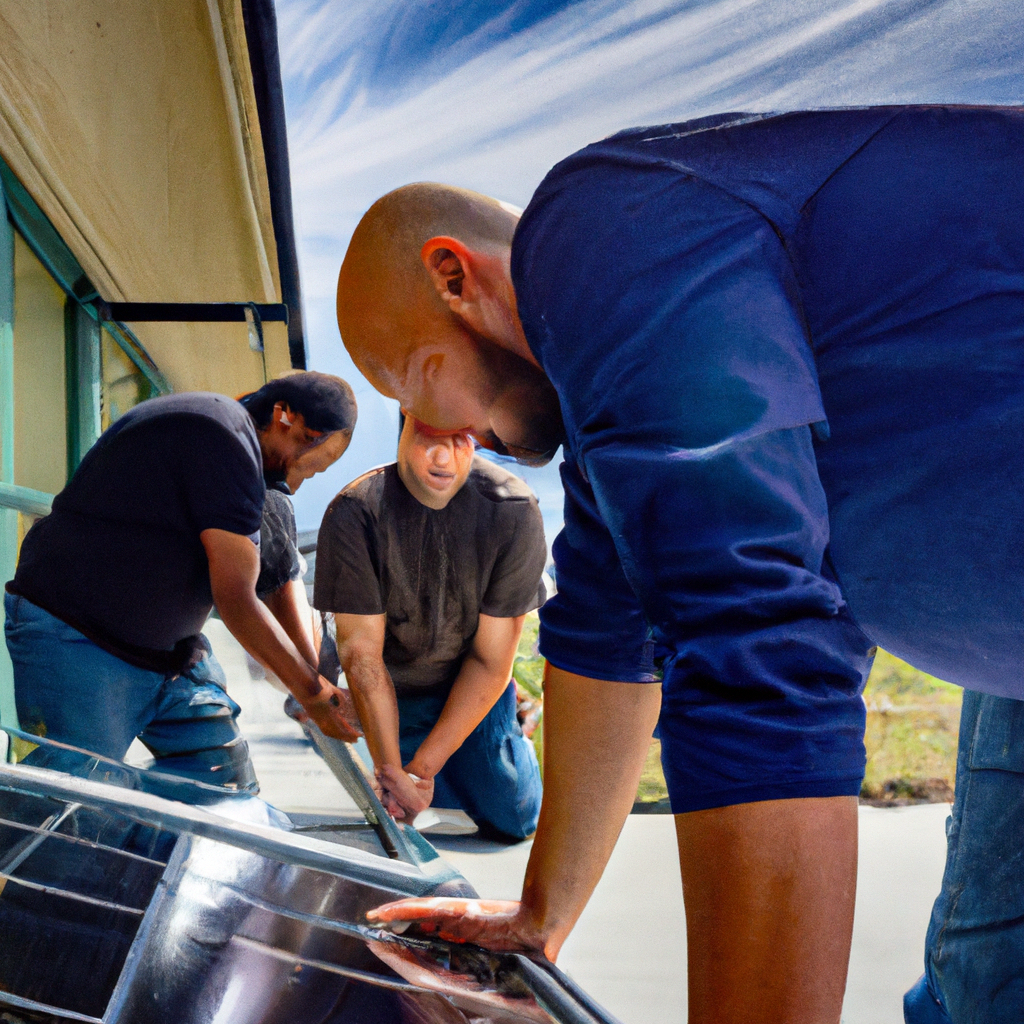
(40, 433)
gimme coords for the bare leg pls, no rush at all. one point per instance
(769, 891)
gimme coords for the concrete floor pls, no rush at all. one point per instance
(629, 948)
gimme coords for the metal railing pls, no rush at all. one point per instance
(25, 499)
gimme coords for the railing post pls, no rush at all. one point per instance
(82, 372)
(8, 516)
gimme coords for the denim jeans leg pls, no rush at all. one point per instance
(69, 689)
(194, 730)
(974, 952)
(494, 776)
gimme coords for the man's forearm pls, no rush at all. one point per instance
(373, 694)
(596, 736)
(289, 606)
(256, 629)
(474, 692)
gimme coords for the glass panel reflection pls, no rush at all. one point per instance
(120, 904)
(124, 384)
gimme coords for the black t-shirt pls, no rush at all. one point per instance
(280, 561)
(119, 557)
(433, 572)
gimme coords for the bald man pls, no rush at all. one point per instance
(785, 357)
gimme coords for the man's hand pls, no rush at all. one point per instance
(495, 924)
(334, 713)
(402, 794)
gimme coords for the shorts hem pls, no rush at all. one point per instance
(602, 674)
(802, 789)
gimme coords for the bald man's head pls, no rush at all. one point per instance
(428, 313)
(386, 298)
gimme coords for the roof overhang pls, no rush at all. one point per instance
(151, 135)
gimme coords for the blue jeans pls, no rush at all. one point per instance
(494, 776)
(68, 689)
(974, 952)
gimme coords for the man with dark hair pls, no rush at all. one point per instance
(325, 403)
(429, 566)
(159, 523)
(328, 401)
(785, 356)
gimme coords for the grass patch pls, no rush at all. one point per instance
(911, 736)
(652, 788)
(528, 672)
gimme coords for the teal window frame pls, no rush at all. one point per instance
(82, 333)
(82, 347)
(8, 509)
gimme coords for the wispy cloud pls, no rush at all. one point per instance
(489, 94)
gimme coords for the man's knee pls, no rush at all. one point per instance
(194, 731)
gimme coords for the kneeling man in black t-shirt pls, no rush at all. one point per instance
(160, 522)
(429, 566)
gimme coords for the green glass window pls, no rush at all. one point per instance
(123, 384)
(64, 378)
(40, 429)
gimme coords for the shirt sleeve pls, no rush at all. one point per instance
(280, 561)
(687, 386)
(347, 574)
(594, 625)
(514, 586)
(221, 477)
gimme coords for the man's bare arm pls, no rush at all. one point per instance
(234, 567)
(596, 736)
(290, 606)
(482, 679)
(360, 640)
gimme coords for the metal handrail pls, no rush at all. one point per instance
(266, 841)
(343, 767)
(25, 499)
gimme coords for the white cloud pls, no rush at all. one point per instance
(495, 113)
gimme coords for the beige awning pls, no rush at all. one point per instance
(133, 125)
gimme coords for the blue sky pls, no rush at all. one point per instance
(488, 94)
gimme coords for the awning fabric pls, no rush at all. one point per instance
(133, 124)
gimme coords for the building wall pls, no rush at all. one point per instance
(40, 389)
(62, 380)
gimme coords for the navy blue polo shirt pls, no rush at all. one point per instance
(789, 351)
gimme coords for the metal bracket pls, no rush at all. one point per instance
(191, 312)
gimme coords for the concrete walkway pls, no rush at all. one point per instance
(629, 948)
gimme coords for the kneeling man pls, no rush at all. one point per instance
(429, 566)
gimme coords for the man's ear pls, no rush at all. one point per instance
(451, 268)
(282, 414)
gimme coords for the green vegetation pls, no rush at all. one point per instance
(528, 668)
(911, 736)
(528, 672)
(652, 788)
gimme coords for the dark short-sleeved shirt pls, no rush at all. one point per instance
(431, 571)
(804, 399)
(120, 557)
(280, 560)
